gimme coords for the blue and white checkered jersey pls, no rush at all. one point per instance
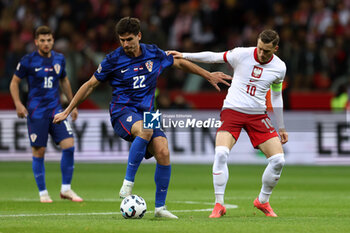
(133, 79)
(43, 75)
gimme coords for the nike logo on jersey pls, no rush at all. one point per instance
(38, 69)
(123, 71)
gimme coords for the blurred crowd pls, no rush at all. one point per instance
(315, 35)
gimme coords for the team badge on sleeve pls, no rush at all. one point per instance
(149, 65)
(57, 68)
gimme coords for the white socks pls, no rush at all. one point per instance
(271, 176)
(65, 187)
(220, 172)
(44, 192)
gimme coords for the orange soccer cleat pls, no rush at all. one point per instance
(218, 211)
(71, 195)
(265, 208)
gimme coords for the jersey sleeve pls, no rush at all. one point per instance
(103, 70)
(232, 57)
(282, 74)
(64, 73)
(22, 68)
(165, 60)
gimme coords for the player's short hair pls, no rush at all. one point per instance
(128, 25)
(268, 36)
(42, 30)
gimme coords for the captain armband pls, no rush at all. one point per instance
(276, 87)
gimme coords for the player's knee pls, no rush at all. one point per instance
(38, 152)
(162, 156)
(277, 161)
(145, 134)
(221, 154)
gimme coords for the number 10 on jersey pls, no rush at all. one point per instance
(251, 90)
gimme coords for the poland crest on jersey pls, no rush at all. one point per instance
(57, 68)
(257, 71)
(149, 65)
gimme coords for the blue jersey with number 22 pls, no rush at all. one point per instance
(133, 79)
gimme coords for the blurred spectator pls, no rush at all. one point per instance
(315, 35)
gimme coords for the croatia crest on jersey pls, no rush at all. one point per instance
(57, 68)
(149, 65)
(257, 71)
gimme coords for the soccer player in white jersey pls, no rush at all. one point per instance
(256, 70)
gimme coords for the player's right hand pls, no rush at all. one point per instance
(21, 111)
(175, 54)
(59, 117)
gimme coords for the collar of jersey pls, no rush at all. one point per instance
(257, 59)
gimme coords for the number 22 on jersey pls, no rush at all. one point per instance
(138, 81)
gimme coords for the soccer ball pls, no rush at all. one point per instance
(133, 206)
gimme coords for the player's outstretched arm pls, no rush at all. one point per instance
(204, 57)
(213, 78)
(14, 89)
(83, 92)
(67, 90)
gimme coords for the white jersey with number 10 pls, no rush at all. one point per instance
(251, 80)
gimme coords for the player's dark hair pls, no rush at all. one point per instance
(128, 25)
(268, 36)
(42, 30)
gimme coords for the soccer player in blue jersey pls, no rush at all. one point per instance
(132, 70)
(45, 72)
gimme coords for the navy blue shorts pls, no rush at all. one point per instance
(125, 120)
(39, 130)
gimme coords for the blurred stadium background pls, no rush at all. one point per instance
(315, 44)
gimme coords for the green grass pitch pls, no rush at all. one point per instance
(307, 199)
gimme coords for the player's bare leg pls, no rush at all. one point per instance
(67, 168)
(273, 150)
(224, 143)
(159, 148)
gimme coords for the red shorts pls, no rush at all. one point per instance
(258, 126)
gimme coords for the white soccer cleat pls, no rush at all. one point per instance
(45, 198)
(163, 213)
(126, 189)
(71, 195)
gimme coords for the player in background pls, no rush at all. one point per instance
(45, 72)
(132, 70)
(255, 70)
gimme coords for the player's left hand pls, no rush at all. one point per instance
(283, 135)
(74, 114)
(59, 117)
(174, 53)
(218, 77)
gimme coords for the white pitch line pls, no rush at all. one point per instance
(228, 206)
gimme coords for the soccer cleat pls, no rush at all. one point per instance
(265, 208)
(126, 189)
(163, 213)
(45, 198)
(71, 195)
(218, 211)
